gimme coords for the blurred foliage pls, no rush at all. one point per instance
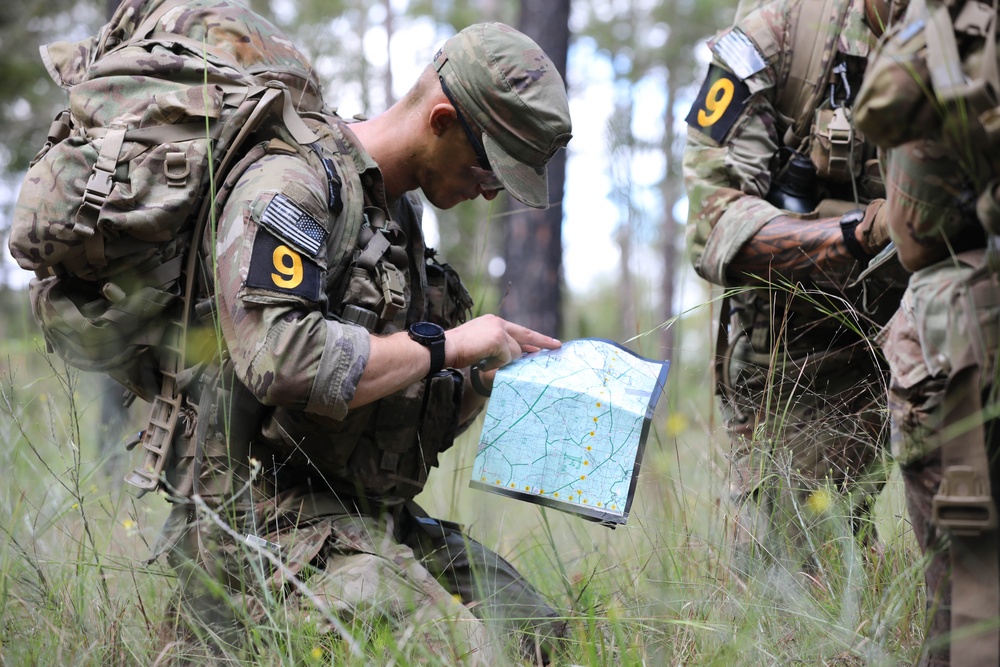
(31, 99)
(645, 40)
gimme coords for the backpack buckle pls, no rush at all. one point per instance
(99, 185)
(963, 505)
(98, 188)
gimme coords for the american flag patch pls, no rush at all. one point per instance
(284, 217)
(740, 54)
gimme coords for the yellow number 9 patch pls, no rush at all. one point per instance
(288, 265)
(716, 102)
(276, 268)
(719, 105)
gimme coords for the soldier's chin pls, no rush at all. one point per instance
(448, 200)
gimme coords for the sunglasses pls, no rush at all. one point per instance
(484, 173)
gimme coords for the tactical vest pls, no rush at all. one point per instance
(819, 74)
(383, 279)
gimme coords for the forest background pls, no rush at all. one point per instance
(608, 262)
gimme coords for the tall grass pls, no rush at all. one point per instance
(74, 587)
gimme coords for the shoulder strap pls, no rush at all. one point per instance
(976, 96)
(816, 26)
(964, 508)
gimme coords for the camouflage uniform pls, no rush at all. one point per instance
(326, 489)
(251, 349)
(800, 388)
(941, 193)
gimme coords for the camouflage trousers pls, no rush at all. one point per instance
(805, 435)
(441, 595)
(949, 308)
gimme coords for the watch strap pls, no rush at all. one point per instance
(437, 356)
(848, 224)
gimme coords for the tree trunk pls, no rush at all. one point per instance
(621, 155)
(669, 229)
(533, 238)
(363, 66)
(390, 99)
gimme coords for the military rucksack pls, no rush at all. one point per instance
(161, 104)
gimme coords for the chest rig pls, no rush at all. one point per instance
(382, 451)
(824, 157)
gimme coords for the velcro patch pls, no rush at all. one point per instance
(276, 267)
(720, 103)
(739, 53)
(289, 221)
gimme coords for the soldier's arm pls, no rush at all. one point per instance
(735, 236)
(396, 361)
(933, 212)
(732, 138)
(270, 292)
(792, 249)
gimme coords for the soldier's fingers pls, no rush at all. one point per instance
(525, 336)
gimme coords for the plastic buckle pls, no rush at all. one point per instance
(391, 282)
(841, 134)
(962, 505)
(98, 188)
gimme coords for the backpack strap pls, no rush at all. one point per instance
(964, 508)
(160, 432)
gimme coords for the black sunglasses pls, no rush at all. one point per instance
(477, 145)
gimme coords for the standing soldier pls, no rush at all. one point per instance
(785, 214)
(939, 70)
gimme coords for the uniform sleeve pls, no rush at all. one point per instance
(271, 266)
(731, 140)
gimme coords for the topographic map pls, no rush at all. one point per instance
(566, 428)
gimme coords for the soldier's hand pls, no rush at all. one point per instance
(494, 339)
(873, 231)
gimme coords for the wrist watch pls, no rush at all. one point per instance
(848, 223)
(431, 336)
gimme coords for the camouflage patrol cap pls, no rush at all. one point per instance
(509, 89)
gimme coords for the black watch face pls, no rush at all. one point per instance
(852, 217)
(426, 331)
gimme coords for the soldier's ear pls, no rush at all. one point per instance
(441, 117)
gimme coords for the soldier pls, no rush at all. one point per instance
(207, 231)
(346, 365)
(939, 70)
(785, 213)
